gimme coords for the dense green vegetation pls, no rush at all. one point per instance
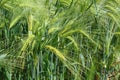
(59, 40)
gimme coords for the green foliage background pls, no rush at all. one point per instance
(59, 39)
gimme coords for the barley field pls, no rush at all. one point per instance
(59, 39)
